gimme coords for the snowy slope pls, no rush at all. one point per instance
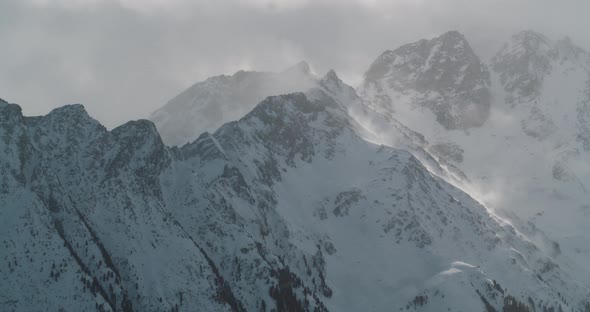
(528, 159)
(87, 233)
(207, 105)
(290, 208)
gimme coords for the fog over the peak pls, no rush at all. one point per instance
(123, 59)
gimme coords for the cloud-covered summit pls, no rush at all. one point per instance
(125, 58)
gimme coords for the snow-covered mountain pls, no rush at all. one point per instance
(207, 105)
(290, 208)
(528, 157)
(443, 75)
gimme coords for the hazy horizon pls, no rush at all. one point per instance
(122, 59)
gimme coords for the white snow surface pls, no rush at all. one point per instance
(293, 207)
(529, 161)
(316, 200)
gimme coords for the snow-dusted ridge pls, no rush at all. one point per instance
(288, 208)
(528, 159)
(208, 104)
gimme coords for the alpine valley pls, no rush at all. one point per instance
(443, 182)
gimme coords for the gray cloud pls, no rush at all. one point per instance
(125, 58)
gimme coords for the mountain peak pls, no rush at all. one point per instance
(77, 109)
(445, 71)
(331, 76)
(9, 112)
(454, 42)
(206, 105)
(239, 75)
(423, 55)
(522, 63)
(452, 35)
(140, 125)
(530, 35)
(71, 113)
(532, 46)
(527, 42)
(568, 50)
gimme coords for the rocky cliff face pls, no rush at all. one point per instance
(443, 75)
(522, 64)
(527, 58)
(288, 209)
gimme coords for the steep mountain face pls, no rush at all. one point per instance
(207, 105)
(289, 208)
(529, 158)
(383, 128)
(83, 224)
(443, 75)
(523, 63)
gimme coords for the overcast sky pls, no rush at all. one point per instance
(124, 58)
